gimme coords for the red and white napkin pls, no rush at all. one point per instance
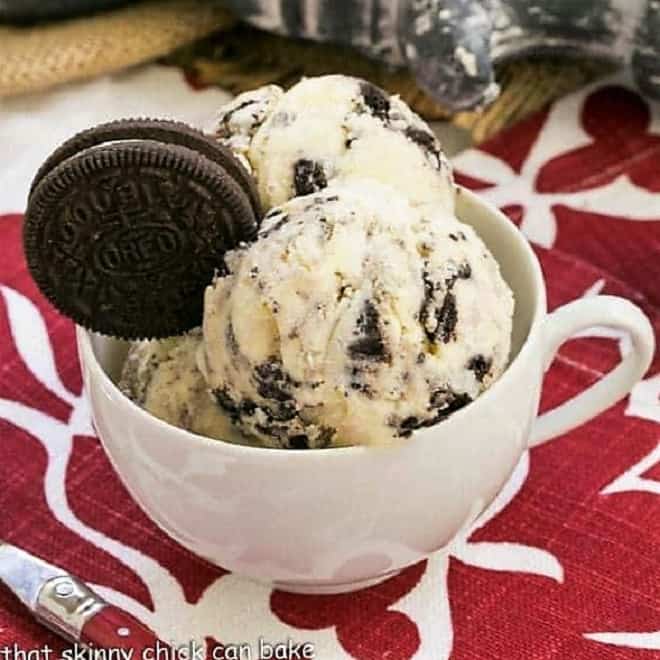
(565, 564)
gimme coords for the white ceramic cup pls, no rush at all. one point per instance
(333, 520)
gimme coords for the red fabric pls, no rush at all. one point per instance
(607, 544)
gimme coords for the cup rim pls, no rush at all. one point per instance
(88, 357)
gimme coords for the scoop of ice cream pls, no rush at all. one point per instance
(333, 127)
(162, 377)
(237, 122)
(354, 318)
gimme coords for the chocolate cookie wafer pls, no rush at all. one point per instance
(159, 130)
(127, 224)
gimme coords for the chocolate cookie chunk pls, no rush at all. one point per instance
(369, 343)
(427, 141)
(480, 366)
(308, 177)
(124, 229)
(376, 100)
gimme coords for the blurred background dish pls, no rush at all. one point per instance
(90, 38)
(452, 46)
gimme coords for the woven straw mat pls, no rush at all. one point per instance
(34, 58)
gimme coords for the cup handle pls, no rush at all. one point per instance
(572, 318)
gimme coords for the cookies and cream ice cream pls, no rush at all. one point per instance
(238, 121)
(162, 376)
(363, 310)
(355, 318)
(334, 127)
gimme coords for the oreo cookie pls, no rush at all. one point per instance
(157, 130)
(128, 222)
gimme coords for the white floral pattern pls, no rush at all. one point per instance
(561, 132)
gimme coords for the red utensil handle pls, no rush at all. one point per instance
(114, 628)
